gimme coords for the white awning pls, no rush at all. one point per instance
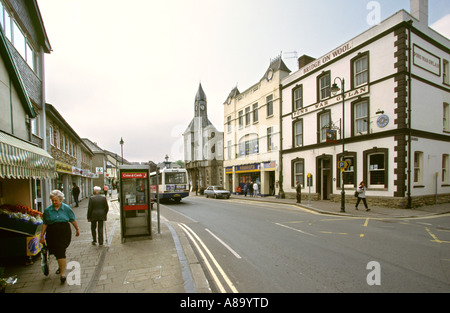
(21, 159)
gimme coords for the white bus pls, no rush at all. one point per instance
(173, 185)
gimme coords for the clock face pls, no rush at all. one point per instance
(269, 75)
(202, 107)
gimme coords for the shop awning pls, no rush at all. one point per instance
(20, 159)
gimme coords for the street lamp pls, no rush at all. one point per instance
(166, 162)
(121, 148)
(335, 89)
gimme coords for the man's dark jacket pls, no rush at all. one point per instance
(97, 208)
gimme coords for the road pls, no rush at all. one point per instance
(253, 247)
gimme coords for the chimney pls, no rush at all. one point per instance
(303, 60)
(419, 9)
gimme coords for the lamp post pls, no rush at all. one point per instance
(334, 89)
(166, 162)
(121, 149)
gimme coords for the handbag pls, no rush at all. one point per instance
(356, 194)
(44, 260)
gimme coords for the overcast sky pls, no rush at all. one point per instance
(131, 69)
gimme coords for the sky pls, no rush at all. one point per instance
(131, 69)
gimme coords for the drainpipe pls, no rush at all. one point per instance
(281, 194)
(408, 194)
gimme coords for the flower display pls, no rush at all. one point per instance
(21, 213)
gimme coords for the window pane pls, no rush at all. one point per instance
(2, 12)
(324, 86)
(7, 26)
(255, 112)
(298, 103)
(361, 71)
(361, 117)
(30, 57)
(19, 41)
(376, 169)
(299, 133)
(269, 105)
(324, 121)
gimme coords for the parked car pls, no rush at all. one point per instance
(217, 192)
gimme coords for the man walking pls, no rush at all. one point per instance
(97, 212)
(298, 190)
(75, 193)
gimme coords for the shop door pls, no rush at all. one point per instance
(324, 177)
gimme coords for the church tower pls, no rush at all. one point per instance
(201, 103)
(203, 146)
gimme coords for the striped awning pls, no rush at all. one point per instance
(20, 159)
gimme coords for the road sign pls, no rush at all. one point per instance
(343, 165)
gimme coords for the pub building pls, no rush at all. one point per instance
(374, 109)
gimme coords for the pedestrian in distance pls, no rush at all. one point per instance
(298, 190)
(96, 215)
(245, 190)
(75, 193)
(251, 189)
(255, 189)
(105, 189)
(56, 232)
(362, 196)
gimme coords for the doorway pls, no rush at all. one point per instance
(324, 176)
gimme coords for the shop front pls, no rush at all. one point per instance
(23, 168)
(248, 174)
(263, 174)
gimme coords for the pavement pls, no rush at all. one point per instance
(166, 263)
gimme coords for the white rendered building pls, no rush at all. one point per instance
(395, 119)
(252, 133)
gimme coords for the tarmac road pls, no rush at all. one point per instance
(280, 247)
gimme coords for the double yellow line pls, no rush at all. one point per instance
(197, 243)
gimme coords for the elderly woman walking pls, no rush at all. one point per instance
(56, 227)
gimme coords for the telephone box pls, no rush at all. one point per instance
(135, 207)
